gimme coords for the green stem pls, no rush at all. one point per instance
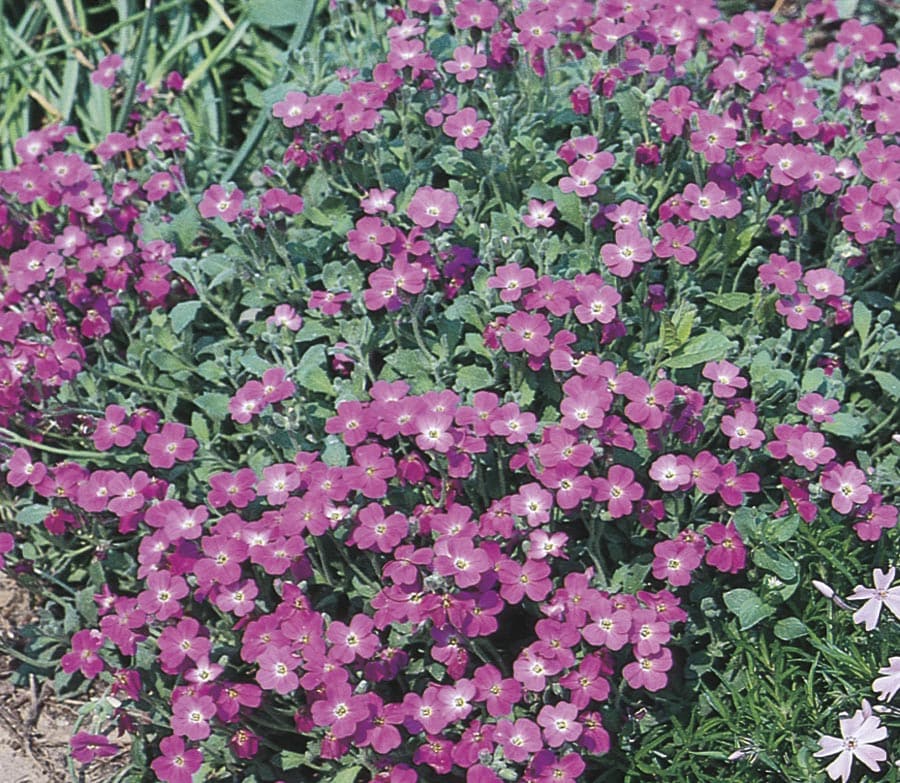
(8, 434)
(136, 67)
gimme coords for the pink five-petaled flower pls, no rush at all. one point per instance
(465, 63)
(431, 205)
(597, 303)
(726, 378)
(888, 684)
(169, 445)
(857, 735)
(217, 202)
(276, 669)
(671, 472)
(847, 483)
(176, 764)
(649, 671)
(235, 488)
(875, 597)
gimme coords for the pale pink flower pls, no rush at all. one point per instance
(887, 686)
(857, 735)
(882, 593)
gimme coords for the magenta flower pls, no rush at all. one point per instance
(858, 733)
(431, 205)
(23, 470)
(539, 214)
(351, 641)
(560, 724)
(217, 202)
(162, 596)
(610, 625)
(87, 747)
(340, 710)
(847, 483)
(112, 429)
(674, 561)
(176, 764)
(631, 247)
(671, 472)
(169, 445)
(83, 656)
(512, 280)
(619, 489)
(459, 558)
(741, 430)
(649, 671)
(467, 130)
(597, 304)
(276, 670)
(292, 111)
(368, 239)
(818, 407)
(499, 694)
(235, 488)
(728, 553)
(674, 242)
(105, 73)
(191, 715)
(726, 378)
(881, 594)
(798, 311)
(518, 740)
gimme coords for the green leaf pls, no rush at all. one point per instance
(473, 378)
(846, 425)
(186, 225)
(288, 759)
(890, 384)
(200, 427)
(213, 404)
(812, 379)
(280, 13)
(772, 560)
(311, 375)
(737, 300)
(748, 607)
(183, 314)
(347, 774)
(862, 320)
(703, 348)
(32, 515)
(790, 628)
(630, 103)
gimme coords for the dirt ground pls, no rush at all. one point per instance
(34, 725)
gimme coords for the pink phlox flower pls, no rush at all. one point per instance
(733, 485)
(83, 656)
(781, 273)
(631, 247)
(619, 489)
(518, 740)
(881, 594)
(105, 73)
(112, 430)
(818, 407)
(888, 684)
(798, 311)
(674, 241)
(858, 733)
